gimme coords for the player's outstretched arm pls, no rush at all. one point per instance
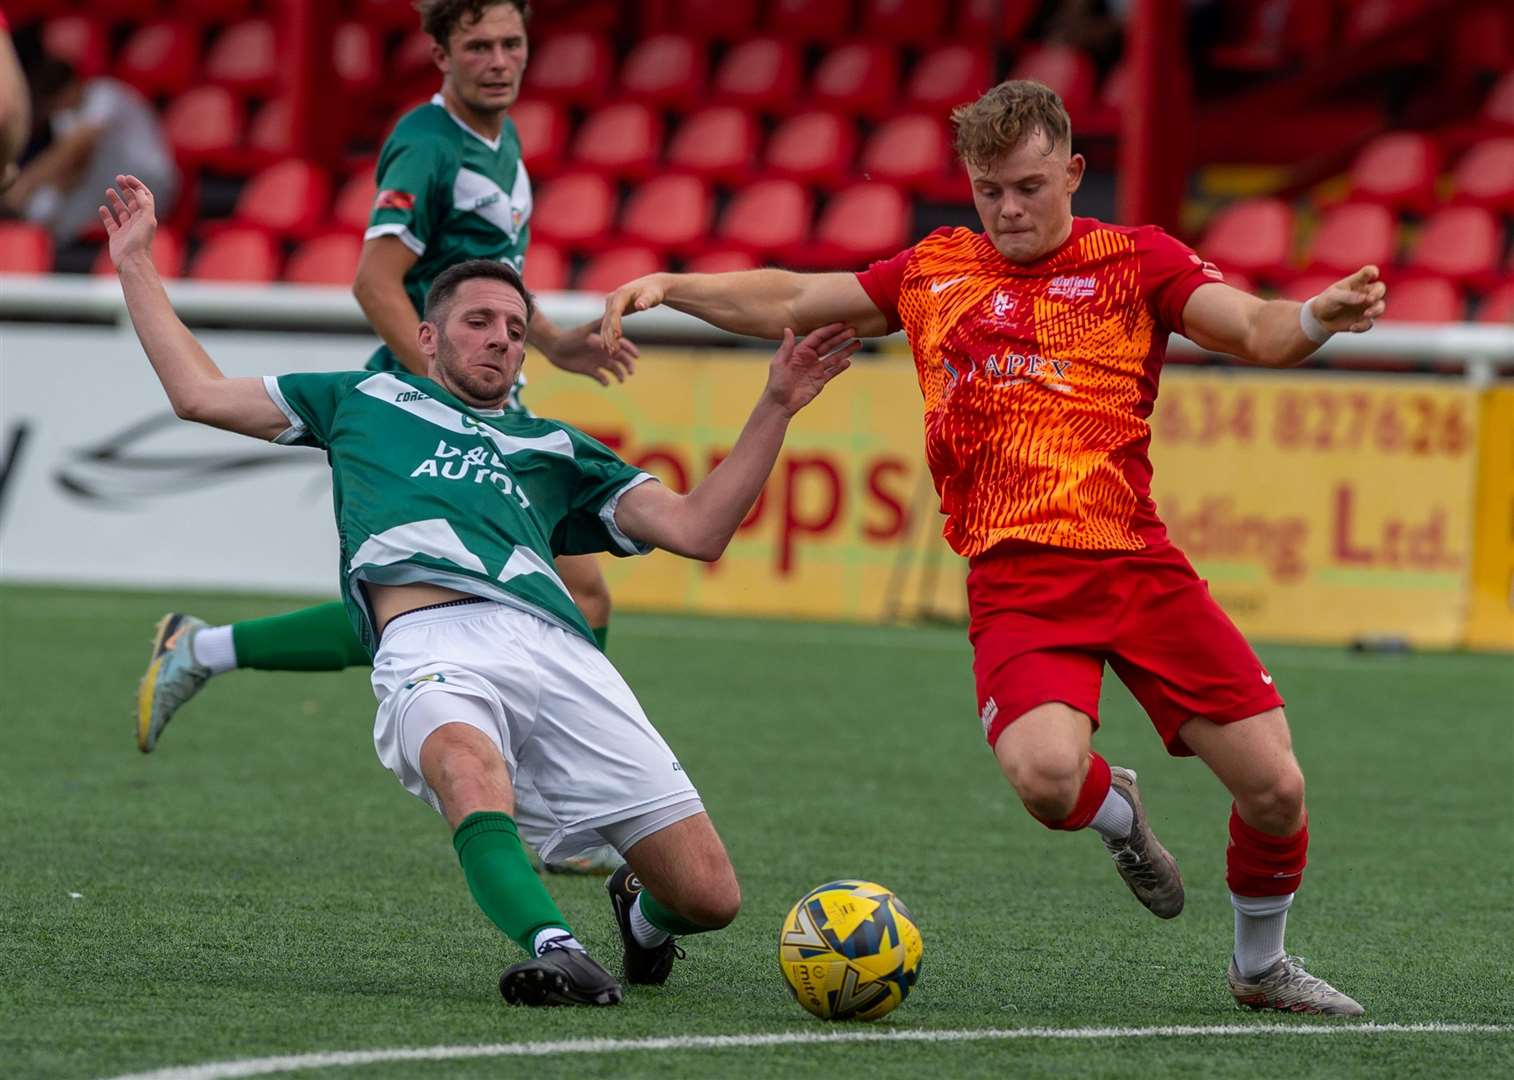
(759, 303)
(196, 388)
(1282, 333)
(700, 524)
(582, 351)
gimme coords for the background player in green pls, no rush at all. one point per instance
(495, 706)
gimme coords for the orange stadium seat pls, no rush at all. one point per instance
(543, 130)
(721, 262)
(762, 73)
(25, 248)
(326, 260)
(167, 255)
(204, 124)
(247, 255)
(1254, 237)
(1461, 243)
(357, 57)
(354, 202)
(664, 69)
(1424, 300)
(245, 58)
(80, 40)
(912, 151)
(571, 66)
(725, 20)
(864, 222)
(575, 210)
(546, 269)
(159, 58)
(623, 139)
(810, 20)
(608, 272)
(1350, 237)
(766, 218)
(1498, 305)
(948, 75)
(287, 199)
(858, 77)
(717, 143)
(907, 22)
(813, 148)
(670, 214)
(1397, 170)
(1485, 175)
(1498, 109)
(1066, 70)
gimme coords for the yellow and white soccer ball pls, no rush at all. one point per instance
(849, 950)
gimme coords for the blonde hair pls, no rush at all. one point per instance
(1005, 117)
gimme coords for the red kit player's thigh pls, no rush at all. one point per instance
(1011, 682)
(1181, 656)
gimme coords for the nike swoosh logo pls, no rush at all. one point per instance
(939, 285)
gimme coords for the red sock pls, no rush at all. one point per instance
(1260, 864)
(1090, 797)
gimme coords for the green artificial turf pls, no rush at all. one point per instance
(262, 886)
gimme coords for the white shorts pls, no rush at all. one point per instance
(586, 763)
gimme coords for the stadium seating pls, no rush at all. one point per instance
(167, 255)
(907, 22)
(245, 58)
(664, 69)
(1352, 236)
(380, 14)
(946, 76)
(608, 272)
(1424, 300)
(576, 210)
(1485, 175)
(724, 20)
(860, 223)
(542, 127)
(159, 58)
(670, 214)
(910, 151)
(354, 202)
(721, 262)
(572, 67)
(810, 20)
(285, 200)
(357, 58)
(1066, 70)
(766, 218)
(813, 148)
(993, 20)
(1397, 170)
(546, 268)
(1498, 305)
(1461, 244)
(117, 12)
(270, 136)
(81, 41)
(327, 260)
(1253, 237)
(204, 125)
(763, 74)
(236, 254)
(858, 77)
(623, 139)
(25, 249)
(1498, 109)
(718, 143)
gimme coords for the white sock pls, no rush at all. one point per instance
(1115, 818)
(213, 648)
(646, 935)
(1259, 925)
(559, 938)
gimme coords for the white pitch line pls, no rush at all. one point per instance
(226, 1070)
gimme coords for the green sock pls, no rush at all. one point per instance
(501, 879)
(669, 922)
(318, 638)
(601, 635)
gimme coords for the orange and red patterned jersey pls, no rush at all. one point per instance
(1038, 378)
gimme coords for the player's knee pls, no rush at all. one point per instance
(1049, 784)
(714, 902)
(1277, 805)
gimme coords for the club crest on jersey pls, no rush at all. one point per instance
(1073, 286)
(1004, 305)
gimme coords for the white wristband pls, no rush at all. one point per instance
(1309, 323)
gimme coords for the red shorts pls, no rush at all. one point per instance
(1045, 620)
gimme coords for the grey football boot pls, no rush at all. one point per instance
(1287, 987)
(171, 679)
(1143, 862)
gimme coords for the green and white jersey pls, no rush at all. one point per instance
(428, 490)
(449, 194)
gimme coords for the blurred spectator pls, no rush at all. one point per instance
(15, 108)
(100, 127)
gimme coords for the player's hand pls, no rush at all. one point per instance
(633, 296)
(800, 370)
(582, 350)
(1352, 303)
(130, 221)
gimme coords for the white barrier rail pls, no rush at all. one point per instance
(1486, 350)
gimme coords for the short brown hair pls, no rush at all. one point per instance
(1005, 117)
(439, 296)
(440, 17)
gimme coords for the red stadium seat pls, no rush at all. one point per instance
(721, 262)
(25, 248)
(354, 202)
(159, 58)
(620, 140)
(167, 255)
(907, 22)
(1461, 243)
(948, 75)
(1484, 39)
(247, 255)
(572, 66)
(861, 223)
(1350, 237)
(717, 143)
(670, 214)
(762, 74)
(575, 210)
(858, 77)
(990, 21)
(1254, 237)
(768, 217)
(287, 199)
(1485, 175)
(1264, 35)
(813, 148)
(1498, 305)
(1424, 300)
(1066, 70)
(80, 40)
(326, 260)
(546, 269)
(245, 58)
(664, 69)
(203, 124)
(810, 20)
(912, 151)
(412, 63)
(357, 57)
(383, 14)
(1498, 110)
(608, 272)
(123, 11)
(1310, 285)
(270, 137)
(725, 20)
(1397, 170)
(543, 131)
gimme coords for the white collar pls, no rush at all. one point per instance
(441, 102)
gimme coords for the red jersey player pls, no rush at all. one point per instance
(1039, 342)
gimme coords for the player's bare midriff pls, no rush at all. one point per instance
(391, 601)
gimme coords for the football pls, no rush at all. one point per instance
(850, 950)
